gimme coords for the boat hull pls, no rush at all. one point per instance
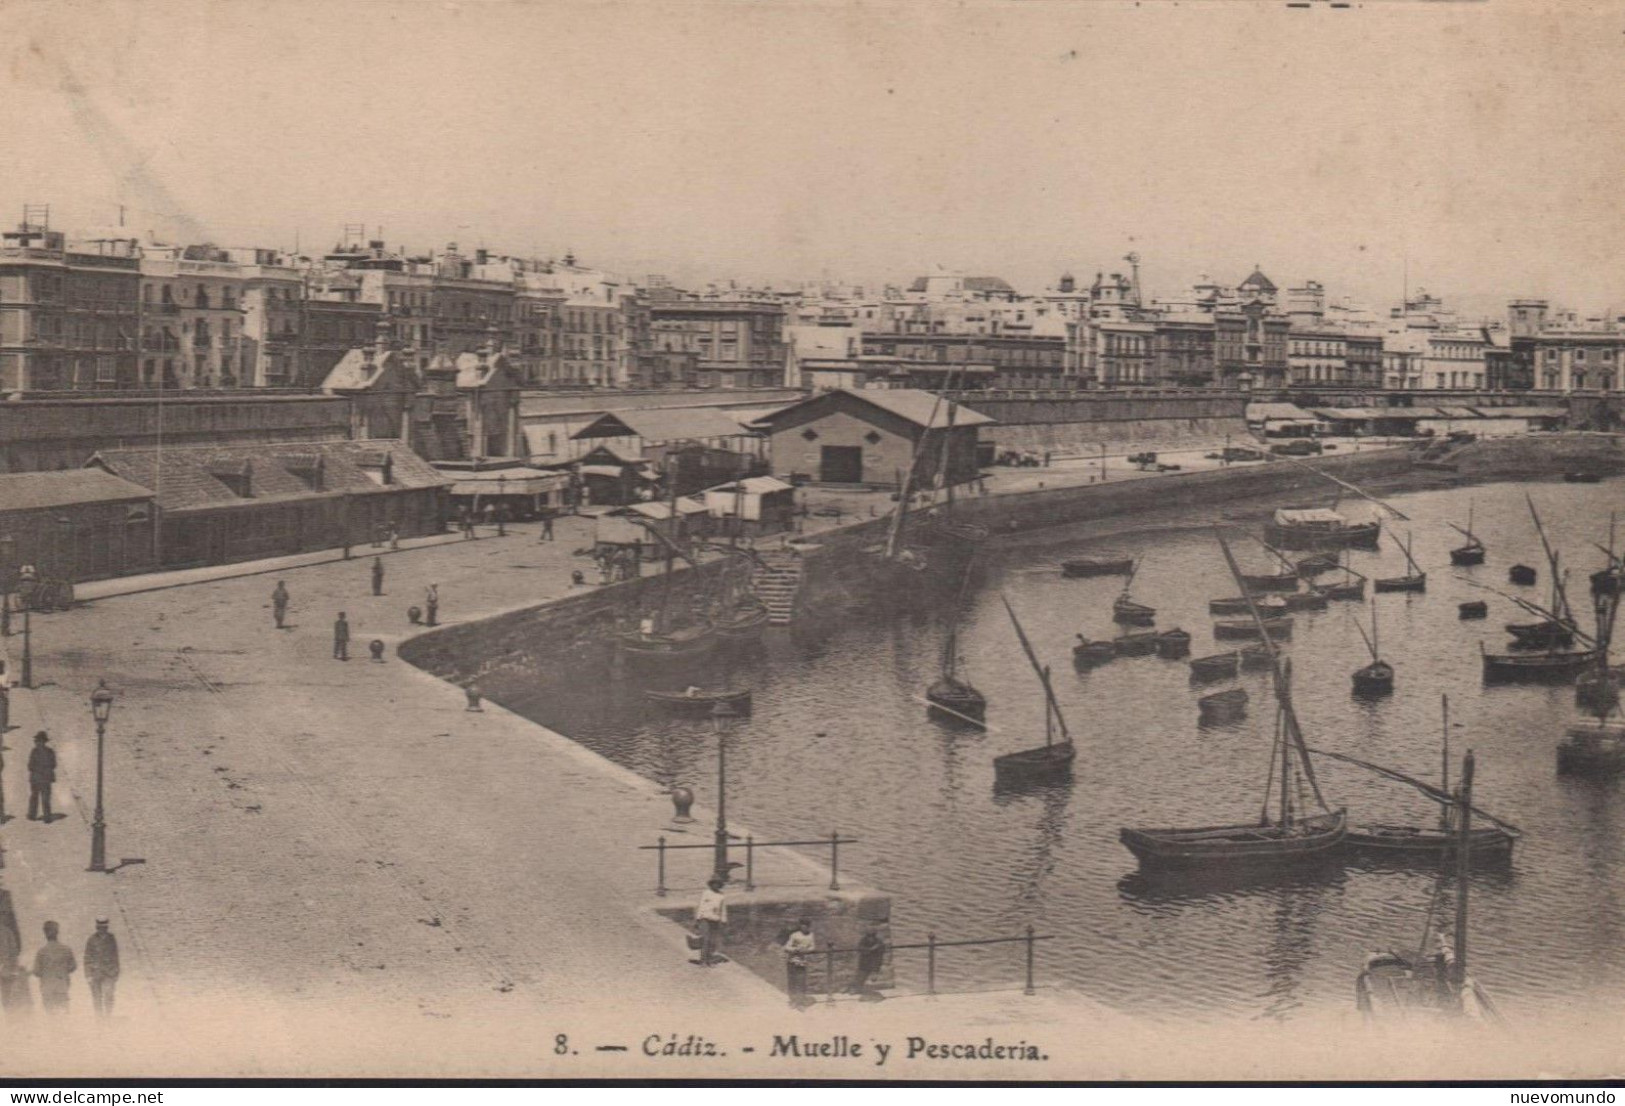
(1522, 575)
(1489, 843)
(1091, 653)
(1359, 535)
(1047, 762)
(1466, 557)
(1287, 582)
(1219, 666)
(1475, 609)
(1402, 583)
(1535, 667)
(1223, 706)
(703, 703)
(1085, 567)
(1374, 681)
(1173, 645)
(1591, 754)
(1238, 605)
(1136, 645)
(1279, 629)
(956, 700)
(1239, 846)
(1354, 590)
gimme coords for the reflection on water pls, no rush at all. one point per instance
(839, 739)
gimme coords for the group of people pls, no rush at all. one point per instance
(798, 947)
(54, 965)
(619, 563)
(280, 598)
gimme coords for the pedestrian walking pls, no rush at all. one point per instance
(53, 964)
(871, 958)
(394, 536)
(341, 638)
(431, 604)
(797, 948)
(547, 527)
(502, 521)
(710, 916)
(279, 604)
(101, 967)
(15, 996)
(41, 775)
(378, 576)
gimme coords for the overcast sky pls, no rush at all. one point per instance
(863, 141)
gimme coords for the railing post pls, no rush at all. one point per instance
(750, 863)
(930, 963)
(829, 971)
(1029, 990)
(660, 856)
(834, 861)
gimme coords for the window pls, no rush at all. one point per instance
(872, 438)
(810, 434)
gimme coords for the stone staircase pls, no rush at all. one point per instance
(775, 582)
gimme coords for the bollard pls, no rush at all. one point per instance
(930, 963)
(1029, 988)
(660, 861)
(834, 861)
(750, 863)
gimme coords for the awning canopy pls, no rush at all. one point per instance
(516, 481)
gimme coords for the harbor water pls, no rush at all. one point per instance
(839, 739)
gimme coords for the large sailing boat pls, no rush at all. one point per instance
(1051, 760)
(1285, 836)
(1595, 744)
(951, 696)
(666, 635)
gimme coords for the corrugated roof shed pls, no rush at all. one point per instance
(1266, 412)
(27, 491)
(919, 407)
(1524, 412)
(668, 424)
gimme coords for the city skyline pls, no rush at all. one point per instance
(715, 142)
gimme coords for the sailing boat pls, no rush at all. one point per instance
(1472, 551)
(1377, 678)
(950, 696)
(1126, 612)
(1399, 986)
(1293, 836)
(663, 636)
(1352, 587)
(1051, 760)
(1556, 630)
(1490, 842)
(1416, 580)
(1596, 745)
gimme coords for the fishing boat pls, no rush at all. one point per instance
(1595, 745)
(1582, 476)
(1126, 612)
(1141, 644)
(1223, 706)
(1592, 747)
(1493, 841)
(1556, 627)
(1522, 575)
(1097, 566)
(1292, 836)
(1271, 581)
(1087, 654)
(1317, 564)
(1472, 551)
(1399, 987)
(1312, 600)
(1377, 678)
(1279, 629)
(1546, 634)
(1051, 760)
(1173, 645)
(1301, 528)
(1472, 609)
(1254, 658)
(1218, 666)
(698, 701)
(951, 695)
(1269, 606)
(745, 621)
(1415, 580)
(1351, 586)
(1554, 666)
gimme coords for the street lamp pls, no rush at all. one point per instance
(28, 575)
(8, 558)
(719, 719)
(101, 707)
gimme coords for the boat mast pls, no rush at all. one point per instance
(1049, 725)
(1286, 767)
(1464, 868)
(1444, 766)
(906, 489)
(1043, 672)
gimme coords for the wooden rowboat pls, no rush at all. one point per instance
(1280, 629)
(1172, 645)
(699, 701)
(1218, 666)
(1222, 706)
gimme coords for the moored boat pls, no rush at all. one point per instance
(1377, 678)
(1142, 644)
(1594, 747)
(1254, 658)
(1302, 528)
(1472, 551)
(1126, 612)
(696, 700)
(677, 643)
(1173, 645)
(1051, 761)
(1279, 629)
(1223, 706)
(1087, 654)
(1312, 600)
(1415, 580)
(1317, 564)
(1558, 667)
(1268, 605)
(1472, 609)
(1097, 566)
(1522, 575)
(1271, 581)
(956, 699)
(1218, 666)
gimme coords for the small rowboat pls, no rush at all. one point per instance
(1475, 608)
(1222, 706)
(1374, 680)
(1279, 629)
(1036, 765)
(1254, 657)
(1307, 840)
(699, 701)
(1592, 748)
(1142, 644)
(1312, 600)
(1173, 645)
(1417, 582)
(1352, 589)
(1488, 843)
(1276, 581)
(1087, 654)
(1268, 605)
(1522, 575)
(956, 699)
(1097, 566)
(1317, 563)
(1218, 666)
(1126, 612)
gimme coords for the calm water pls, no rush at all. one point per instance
(840, 739)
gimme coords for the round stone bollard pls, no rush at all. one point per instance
(376, 648)
(683, 799)
(414, 615)
(473, 699)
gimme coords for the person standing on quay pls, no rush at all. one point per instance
(279, 604)
(871, 958)
(797, 949)
(378, 576)
(53, 964)
(41, 775)
(547, 527)
(711, 915)
(431, 604)
(341, 638)
(101, 967)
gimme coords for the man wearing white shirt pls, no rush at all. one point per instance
(711, 915)
(797, 948)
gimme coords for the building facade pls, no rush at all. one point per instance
(68, 316)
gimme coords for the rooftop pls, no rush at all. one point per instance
(30, 491)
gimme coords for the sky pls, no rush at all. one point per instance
(1475, 147)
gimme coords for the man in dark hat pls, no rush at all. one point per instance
(871, 958)
(378, 576)
(101, 967)
(341, 638)
(53, 964)
(279, 603)
(41, 775)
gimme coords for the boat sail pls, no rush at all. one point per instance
(1415, 580)
(1376, 678)
(1470, 552)
(1283, 837)
(952, 696)
(1051, 760)
(1397, 987)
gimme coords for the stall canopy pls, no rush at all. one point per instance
(661, 425)
(510, 481)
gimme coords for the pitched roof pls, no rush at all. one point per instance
(918, 406)
(664, 424)
(189, 477)
(1262, 412)
(361, 368)
(25, 491)
(1260, 281)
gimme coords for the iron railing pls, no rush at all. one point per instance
(931, 946)
(833, 842)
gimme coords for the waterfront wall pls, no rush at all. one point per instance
(1084, 424)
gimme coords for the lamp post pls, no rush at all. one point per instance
(8, 559)
(28, 574)
(101, 707)
(719, 721)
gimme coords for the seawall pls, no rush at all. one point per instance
(1084, 424)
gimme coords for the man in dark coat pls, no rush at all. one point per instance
(431, 603)
(341, 638)
(41, 775)
(101, 967)
(279, 603)
(871, 958)
(378, 576)
(53, 964)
